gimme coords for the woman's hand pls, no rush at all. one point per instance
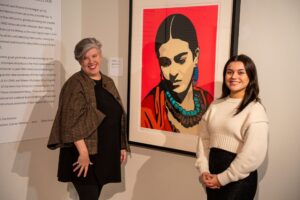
(205, 178)
(214, 183)
(123, 156)
(83, 162)
(210, 180)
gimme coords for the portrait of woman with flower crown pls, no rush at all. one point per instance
(176, 103)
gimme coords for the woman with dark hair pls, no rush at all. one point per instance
(176, 104)
(234, 135)
(90, 126)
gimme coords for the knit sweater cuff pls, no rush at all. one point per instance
(223, 178)
(201, 167)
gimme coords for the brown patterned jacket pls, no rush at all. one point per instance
(77, 115)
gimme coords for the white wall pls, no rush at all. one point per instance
(28, 168)
(269, 33)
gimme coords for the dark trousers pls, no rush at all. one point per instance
(219, 160)
(88, 192)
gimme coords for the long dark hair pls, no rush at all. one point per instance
(179, 27)
(252, 90)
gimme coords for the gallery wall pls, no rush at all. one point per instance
(269, 33)
(28, 169)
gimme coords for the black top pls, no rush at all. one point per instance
(106, 164)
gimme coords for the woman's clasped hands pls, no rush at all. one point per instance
(210, 180)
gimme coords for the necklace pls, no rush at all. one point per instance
(187, 118)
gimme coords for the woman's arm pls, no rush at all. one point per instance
(83, 161)
(251, 156)
(203, 148)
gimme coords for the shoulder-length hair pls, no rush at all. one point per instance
(252, 90)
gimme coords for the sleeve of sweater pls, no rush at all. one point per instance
(252, 153)
(203, 147)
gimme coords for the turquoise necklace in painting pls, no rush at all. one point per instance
(187, 118)
(181, 109)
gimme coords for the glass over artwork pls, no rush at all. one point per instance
(178, 63)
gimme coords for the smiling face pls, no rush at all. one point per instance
(236, 79)
(177, 64)
(90, 63)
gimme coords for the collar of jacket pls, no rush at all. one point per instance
(107, 84)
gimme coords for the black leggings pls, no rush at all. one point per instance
(88, 192)
(219, 160)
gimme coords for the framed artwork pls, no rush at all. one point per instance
(177, 50)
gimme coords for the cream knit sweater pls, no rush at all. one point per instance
(245, 134)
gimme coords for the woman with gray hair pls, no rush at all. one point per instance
(90, 126)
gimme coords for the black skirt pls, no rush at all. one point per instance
(245, 189)
(106, 166)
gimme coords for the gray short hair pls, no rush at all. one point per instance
(84, 45)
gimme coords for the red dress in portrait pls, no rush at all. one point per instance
(154, 111)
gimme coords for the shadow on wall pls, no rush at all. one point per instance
(262, 170)
(109, 190)
(33, 160)
(166, 175)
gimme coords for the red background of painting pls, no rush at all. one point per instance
(205, 20)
